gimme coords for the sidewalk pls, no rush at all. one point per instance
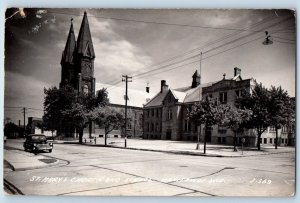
(185, 147)
(21, 160)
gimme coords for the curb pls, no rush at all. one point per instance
(173, 152)
(30, 168)
(164, 151)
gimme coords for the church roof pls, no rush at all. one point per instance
(116, 95)
(68, 53)
(84, 40)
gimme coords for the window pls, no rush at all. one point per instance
(85, 89)
(148, 112)
(147, 127)
(219, 139)
(272, 128)
(286, 141)
(224, 139)
(157, 127)
(271, 140)
(187, 126)
(152, 112)
(223, 97)
(157, 113)
(238, 93)
(222, 129)
(152, 127)
(260, 140)
(265, 141)
(129, 124)
(195, 127)
(169, 114)
(284, 129)
(282, 141)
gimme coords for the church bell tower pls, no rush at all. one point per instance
(78, 60)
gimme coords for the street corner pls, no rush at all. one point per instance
(18, 160)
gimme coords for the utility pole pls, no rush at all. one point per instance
(126, 79)
(24, 115)
(199, 131)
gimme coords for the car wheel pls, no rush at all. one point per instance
(50, 150)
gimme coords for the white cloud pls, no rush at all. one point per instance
(114, 54)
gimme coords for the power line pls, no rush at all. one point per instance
(219, 47)
(284, 42)
(158, 23)
(284, 38)
(205, 45)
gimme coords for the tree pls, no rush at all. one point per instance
(278, 109)
(109, 119)
(291, 119)
(55, 102)
(205, 112)
(258, 102)
(11, 130)
(236, 119)
(67, 110)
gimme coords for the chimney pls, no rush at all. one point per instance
(163, 86)
(237, 71)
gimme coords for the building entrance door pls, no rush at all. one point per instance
(169, 134)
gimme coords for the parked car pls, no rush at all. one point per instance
(36, 142)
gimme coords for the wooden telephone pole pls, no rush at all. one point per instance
(126, 79)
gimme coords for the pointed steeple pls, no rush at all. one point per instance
(68, 53)
(84, 40)
(196, 79)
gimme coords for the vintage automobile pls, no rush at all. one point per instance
(37, 142)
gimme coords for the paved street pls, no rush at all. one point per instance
(87, 170)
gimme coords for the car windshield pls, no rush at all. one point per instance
(38, 138)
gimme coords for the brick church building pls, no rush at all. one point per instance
(77, 70)
(77, 62)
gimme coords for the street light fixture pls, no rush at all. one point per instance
(268, 40)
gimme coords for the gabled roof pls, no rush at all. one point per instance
(178, 95)
(68, 53)
(84, 40)
(157, 99)
(195, 94)
(184, 95)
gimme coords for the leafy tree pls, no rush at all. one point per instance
(108, 118)
(258, 102)
(236, 119)
(67, 110)
(291, 119)
(205, 112)
(55, 102)
(11, 130)
(278, 109)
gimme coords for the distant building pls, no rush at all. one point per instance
(165, 115)
(34, 126)
(135, 102)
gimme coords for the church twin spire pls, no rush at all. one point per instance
(68, 53)
(84, 45)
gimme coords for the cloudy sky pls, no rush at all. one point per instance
(137, 41)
